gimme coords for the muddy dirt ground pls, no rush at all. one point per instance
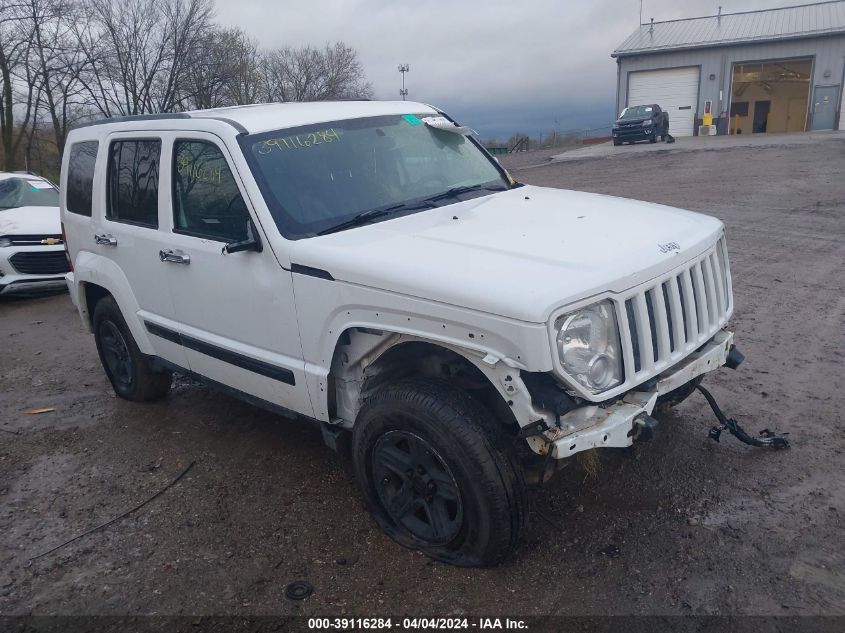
(685, 526)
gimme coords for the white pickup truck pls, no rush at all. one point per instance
(369, 266)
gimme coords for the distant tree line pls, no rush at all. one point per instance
(66, 61)
(524, 142)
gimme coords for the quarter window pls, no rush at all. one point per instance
(80, 177)
(133, 182)
(206, 198)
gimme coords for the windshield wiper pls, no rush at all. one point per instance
(366, 217)
(454, 192)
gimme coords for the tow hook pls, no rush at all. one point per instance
(643, 428)
(767, 438)
(735, 357)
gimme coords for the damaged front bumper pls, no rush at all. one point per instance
(618, 424)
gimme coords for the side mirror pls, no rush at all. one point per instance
(251, 243)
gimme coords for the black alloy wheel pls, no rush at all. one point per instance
(133, 375)
(116, 355)
(439, 473)
(416, 487)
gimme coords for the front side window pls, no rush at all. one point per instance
(80, 177)
(319, 176)
(133, 182)
(27, 192)
(206, 199)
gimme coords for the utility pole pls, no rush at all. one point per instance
(641, 12)
(403, 68)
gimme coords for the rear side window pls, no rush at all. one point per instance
(206, 199)
(80, 177)
(133, 182)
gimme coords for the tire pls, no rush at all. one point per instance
(438, 473)
(617, 143)
(653, 138)
(131, 375)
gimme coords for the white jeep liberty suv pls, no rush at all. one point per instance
(369, 266)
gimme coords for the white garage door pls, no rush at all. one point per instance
(675, 90)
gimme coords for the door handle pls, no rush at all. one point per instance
(105, 239)
(174, 256)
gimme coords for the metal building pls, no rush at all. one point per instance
(776, 70)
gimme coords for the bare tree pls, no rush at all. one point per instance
(225, 69)
(18, 93)
(65, 60)
(58, 62)
(142, 47)
(311, 74)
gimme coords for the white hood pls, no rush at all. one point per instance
(30, 221)
(521, 253)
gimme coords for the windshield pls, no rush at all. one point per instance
(25, 192)
(317, 177)
(636, 112)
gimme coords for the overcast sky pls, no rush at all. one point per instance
(498, 66)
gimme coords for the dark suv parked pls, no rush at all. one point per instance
(641, 123)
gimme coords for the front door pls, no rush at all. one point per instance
(236, 312)
(761, 116)
(825, 102)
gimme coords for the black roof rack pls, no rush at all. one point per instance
(162, 116)
(137, 117)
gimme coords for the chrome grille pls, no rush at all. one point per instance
(32, 240)
(677, 313)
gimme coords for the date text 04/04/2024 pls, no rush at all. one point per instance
(410, 624)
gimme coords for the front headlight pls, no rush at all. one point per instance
(5, 241)
(588, 345)
(648, 123)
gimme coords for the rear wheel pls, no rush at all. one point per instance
(617, 143)
(132, 376)
(437, 473)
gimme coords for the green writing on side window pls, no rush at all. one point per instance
(298, 141)
(200, 173)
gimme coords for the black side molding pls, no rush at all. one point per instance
(282, 374)
(319, 273)
(160, 363)
(163, 332)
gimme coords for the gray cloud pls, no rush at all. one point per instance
(501, 67)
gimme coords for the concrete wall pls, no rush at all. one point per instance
(828, 54)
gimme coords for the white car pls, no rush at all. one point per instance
(369, 266)
(32, 254)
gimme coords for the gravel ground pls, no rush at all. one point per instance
(683, 526)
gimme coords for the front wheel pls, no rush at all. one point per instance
(130, 373)
(437, 474)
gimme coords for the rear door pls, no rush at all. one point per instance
(127, 234)
(236, 313)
